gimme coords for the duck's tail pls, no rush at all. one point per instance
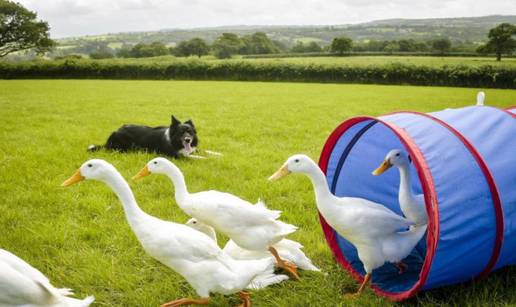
(266, 279)
(285, 229)
(273, 214)
(291, 251)
(73, 302)
(258, 273)
(264, 273)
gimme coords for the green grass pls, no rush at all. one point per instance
(351, 60)
(378, 60)
(79, 237)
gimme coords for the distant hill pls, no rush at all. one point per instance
(466, 29)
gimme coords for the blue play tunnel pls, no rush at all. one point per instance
(464, 162)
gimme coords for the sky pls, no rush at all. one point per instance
(92, 17)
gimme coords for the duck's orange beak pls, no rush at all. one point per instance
(142, 173)
(386, 164)
(280, 173)
(76, 177)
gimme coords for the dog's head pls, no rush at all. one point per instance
(183, 136)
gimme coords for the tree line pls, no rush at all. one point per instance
(229, 44)
(21, 30)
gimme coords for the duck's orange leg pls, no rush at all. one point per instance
(367, 278)
(187, 301)
(290, 268)
(246, 299)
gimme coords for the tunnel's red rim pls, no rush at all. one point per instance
(431, 203)
(508, 110)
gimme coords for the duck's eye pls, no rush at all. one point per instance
(296, 160)
(155, 162)
(89, 165)
(194, 222)
(398, 154)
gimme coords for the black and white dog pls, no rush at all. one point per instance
(178, 139)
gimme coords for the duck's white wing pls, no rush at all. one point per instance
(18, 289)
(236, 252)
(21, 283)
(373, 218)
(196, 246)
(22, 267)
(229, 209)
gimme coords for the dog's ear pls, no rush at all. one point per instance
(190, 122)
(175, 121)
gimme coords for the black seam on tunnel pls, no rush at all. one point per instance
(346, 152)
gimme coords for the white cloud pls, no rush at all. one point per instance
(80, 17)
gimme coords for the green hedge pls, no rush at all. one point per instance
(395, 73)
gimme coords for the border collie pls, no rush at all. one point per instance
(178, 139)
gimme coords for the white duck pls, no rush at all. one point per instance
(288, 250)
(412, 206)
(23, 285)
(375, 231)
(253, 227)
(259, 282)
(187, 251)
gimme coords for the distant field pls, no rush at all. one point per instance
(352, 60)
(377, 60)
(79, 236)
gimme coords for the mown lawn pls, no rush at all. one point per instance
(79, 237)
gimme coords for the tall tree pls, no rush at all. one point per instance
(341, 44)
(226, 45)
(20, 30)
(142, 50)
(198, 47)
(195, 46)
(313, 47)
(299, 47)
(442, 45)
(500, 40)
(258, 43)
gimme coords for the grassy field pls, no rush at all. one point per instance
(352, 60)
(378, 60)
(79, 237)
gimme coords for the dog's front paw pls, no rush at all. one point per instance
(213, 153)
(195, 157)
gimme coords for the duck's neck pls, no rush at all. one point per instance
(405, 193)
(209, 231)
(177, 178)
(321, 189)
(133, 213)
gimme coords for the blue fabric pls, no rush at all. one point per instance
(493, 134)
(466, 215)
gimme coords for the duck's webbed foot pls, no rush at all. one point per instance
(402, 267)
(246, 299)
(288, 267)
(187, 301)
